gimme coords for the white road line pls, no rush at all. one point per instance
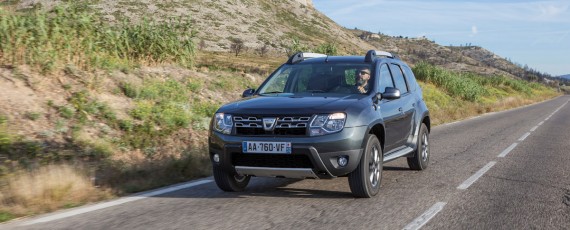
(524, 136)
(542, 122)
(424, 218)
(114, 203)
(507, 150)
(476, 176)
(534, 128)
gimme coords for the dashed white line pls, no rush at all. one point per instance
(476, 176)
(542, 122)
(524, 136)
(424, 218)
(114, 203)
(507, 150)
(534, 128)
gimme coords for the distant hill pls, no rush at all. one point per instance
(567, 76)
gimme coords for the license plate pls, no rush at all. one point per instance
(266, 147)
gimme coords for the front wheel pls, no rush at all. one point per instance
(230, 182)
(420, 160)
(365, 180)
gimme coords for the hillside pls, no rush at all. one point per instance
(256, 22)
(278, 25)
(124, 94)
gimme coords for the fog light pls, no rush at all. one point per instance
(216, 158)
(342, 161)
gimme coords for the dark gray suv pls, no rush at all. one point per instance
(312, 118)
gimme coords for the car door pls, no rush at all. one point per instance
(388, 108)
(403, 126)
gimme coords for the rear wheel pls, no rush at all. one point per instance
(420, 160)
(365, 180)
(230, 182)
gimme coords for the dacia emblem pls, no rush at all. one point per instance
(269, 123)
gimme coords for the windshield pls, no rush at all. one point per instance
(312, 78)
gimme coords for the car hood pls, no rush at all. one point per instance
(261, 105)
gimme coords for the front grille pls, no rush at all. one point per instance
(271, 160)
(284, 125)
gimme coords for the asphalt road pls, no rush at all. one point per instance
(507, 170)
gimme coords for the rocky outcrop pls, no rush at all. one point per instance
(306, 2)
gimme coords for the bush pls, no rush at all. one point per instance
(455, 84)
(327, 48)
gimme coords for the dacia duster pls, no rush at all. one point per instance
(311, 118)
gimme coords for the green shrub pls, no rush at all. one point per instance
(205, 109)
(327, 48)
(130, 90)
(66, 112)
(5, 137)
(194, 86)
(455, 84)
(170, 90)
(33, 115)
(84, 105)
(143, 110)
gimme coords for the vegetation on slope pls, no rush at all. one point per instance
(453, 96)
(70, 35)
(150, 145)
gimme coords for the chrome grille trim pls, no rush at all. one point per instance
(236, 118)
(255, 124)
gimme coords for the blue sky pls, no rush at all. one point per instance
(536, 33)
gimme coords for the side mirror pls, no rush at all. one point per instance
(248, 93)
(391, 93)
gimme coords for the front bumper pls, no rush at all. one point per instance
(311, 157)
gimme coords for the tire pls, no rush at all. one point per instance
(420, 160)
(365, 180)
(230, 182)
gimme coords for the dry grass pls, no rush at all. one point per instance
(247, 62)
(47, 189)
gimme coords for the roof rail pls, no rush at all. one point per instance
(300, 56)
(378, 53)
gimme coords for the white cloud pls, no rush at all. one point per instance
(552, 10)
(474, 30)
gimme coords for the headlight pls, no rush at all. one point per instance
(327, 123)
(223, 123)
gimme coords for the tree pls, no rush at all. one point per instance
(237, 46)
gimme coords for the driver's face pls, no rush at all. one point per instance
(363, 75)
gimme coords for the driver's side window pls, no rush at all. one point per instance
(385, 78)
